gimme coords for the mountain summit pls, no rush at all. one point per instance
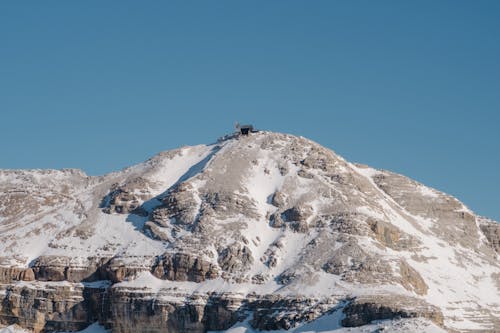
(263, 231)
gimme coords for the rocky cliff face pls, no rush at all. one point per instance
(270, 229)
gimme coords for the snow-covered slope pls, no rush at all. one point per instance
(267, 217)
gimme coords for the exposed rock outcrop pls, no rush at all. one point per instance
(491, 231)
(235, 258)
(364, 310)
(282, 313)
(180, 206)
(127, 198)
(352, 263)
(391, 236)
(49, 308)
(62, 268)
(9, 274)
(183, 267)
(411, 279)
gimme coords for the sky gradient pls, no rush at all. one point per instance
(412, 87)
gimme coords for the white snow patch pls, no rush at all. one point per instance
(13, 329)
(94, 328)
(332, 323)
(428, 192)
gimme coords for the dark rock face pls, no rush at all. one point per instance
(275, 313)
(54, 308)
(295, 218)
(133, 312)
(170, 266)
(183, 267)
(57, 268)
(363, 311)
(235, 258)
(74, 307)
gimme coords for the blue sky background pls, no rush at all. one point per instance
(409, 86)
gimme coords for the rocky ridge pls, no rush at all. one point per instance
(269, 226)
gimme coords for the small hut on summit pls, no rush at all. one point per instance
(244, 129)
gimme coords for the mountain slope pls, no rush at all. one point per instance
(269, 225)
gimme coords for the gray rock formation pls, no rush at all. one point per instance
(364, 310)
(491, 230)
(183, 267)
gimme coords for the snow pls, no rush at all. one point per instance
(365, 170)
(331, 323)
(13, 329)
(446, 268)
(188, 163)
(428, 192)
(94, 328)
(146, 281)
(461, 281)
(117, 234)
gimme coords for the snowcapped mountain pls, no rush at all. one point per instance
(267, 231)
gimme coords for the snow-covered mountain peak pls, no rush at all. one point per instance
(257, 217)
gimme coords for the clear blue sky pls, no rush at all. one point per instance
(409, 86)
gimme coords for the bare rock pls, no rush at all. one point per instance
(60, 268)
(273, 312)
(455, 224)
(296, 218)
(353, 264)
(411, 279)
(343, 259)
(27, 275)
(391, 236)
(278, 199)
(491, 231)
(179, 205)
(276, 221)
(155, 231)
(117, 270)
(235, 258)
(320, 159)
(298, 213)
(224, 204)
(304, 174)
(364, 310)
(183, 267)
(121, 201)
(9, 274)
(54, 308)
(349, 223)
